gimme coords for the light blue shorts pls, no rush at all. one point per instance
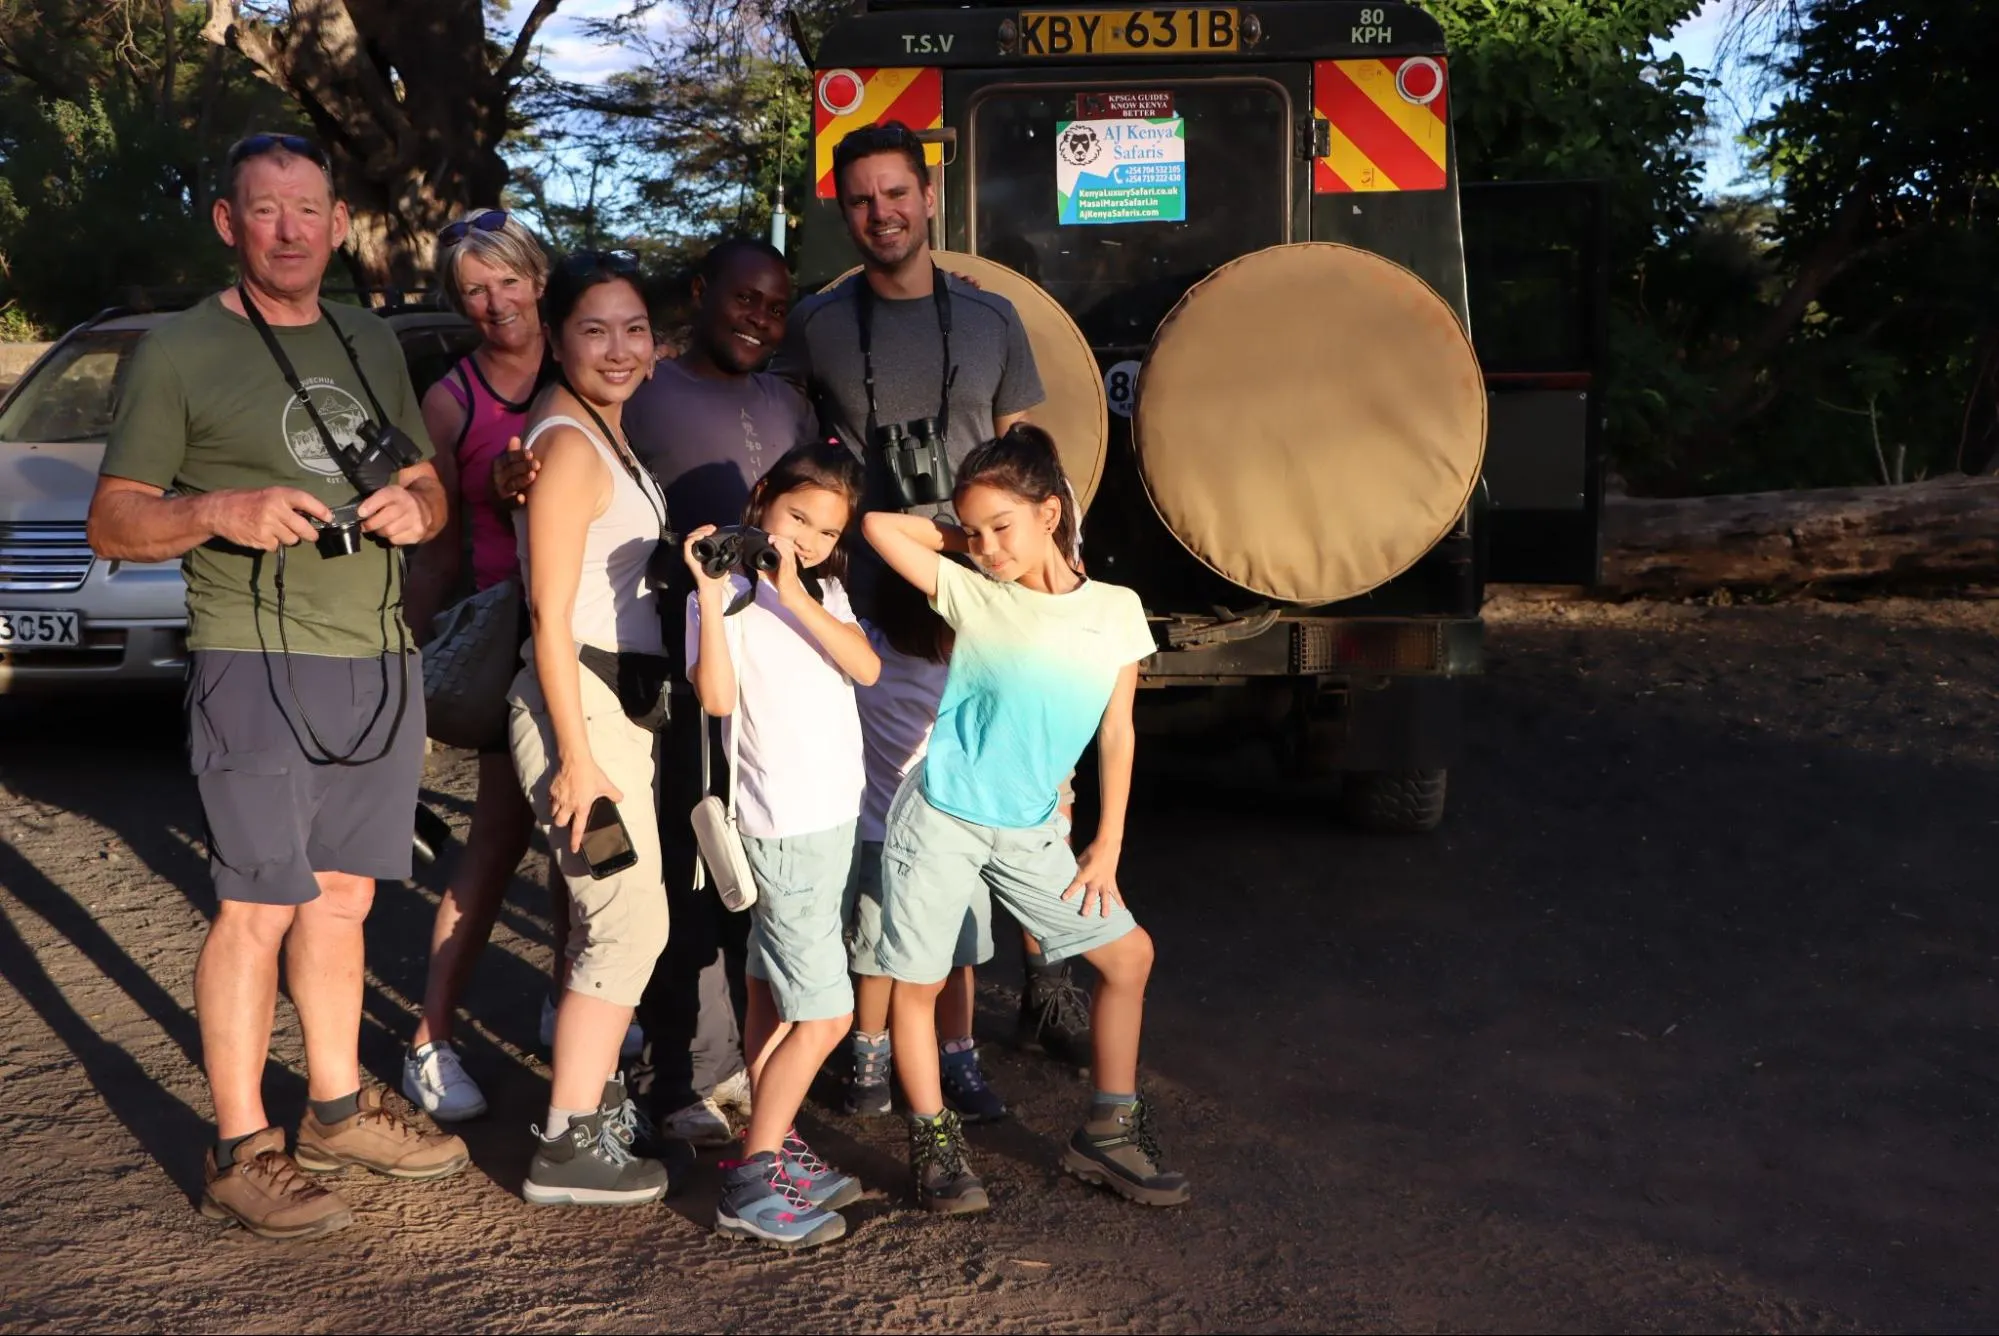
(937, 868)
(864, 921)
(803, 884)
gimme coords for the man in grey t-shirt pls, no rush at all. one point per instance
(888, 199)
(712, 421)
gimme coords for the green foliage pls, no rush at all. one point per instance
(94, 210)
(1573, 90)
(112, 129)
(714, 116)
(1886, 153)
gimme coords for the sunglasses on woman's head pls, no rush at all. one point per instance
(578, 263)
(490, 221)
(257, 145)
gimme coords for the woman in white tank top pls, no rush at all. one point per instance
(592, 523)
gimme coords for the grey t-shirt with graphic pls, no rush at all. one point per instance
(995, 373)
(708, 439)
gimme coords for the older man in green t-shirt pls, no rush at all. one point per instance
(242, 436)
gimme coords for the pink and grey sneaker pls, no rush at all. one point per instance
(823, 1185)
(759, 1201)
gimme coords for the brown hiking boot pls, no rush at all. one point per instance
(388, 1136)
(264, 1192)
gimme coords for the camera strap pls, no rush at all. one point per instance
(329, 755)
(864, 314)
(640, 475)
(299, 392)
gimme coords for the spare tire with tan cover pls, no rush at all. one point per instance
(1310, 421)
(1075, 412)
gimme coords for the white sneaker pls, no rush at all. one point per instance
(700, 1124)
(733, 1095)
(435, 1081)
(633, 1045)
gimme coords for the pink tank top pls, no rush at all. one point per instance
(492, 423)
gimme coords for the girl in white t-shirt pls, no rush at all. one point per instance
(781, 671)
(897, 714)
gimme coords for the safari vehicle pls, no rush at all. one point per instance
(1244, 222)
(68, 619)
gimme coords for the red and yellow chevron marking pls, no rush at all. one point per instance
(844, 100)
(1390, 124)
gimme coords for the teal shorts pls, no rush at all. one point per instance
(803, 885)
(936, 868)
(864, 922)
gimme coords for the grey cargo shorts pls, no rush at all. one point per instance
(278, 808)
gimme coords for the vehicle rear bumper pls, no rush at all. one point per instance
(1322, 648)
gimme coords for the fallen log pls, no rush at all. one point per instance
(1938, 531)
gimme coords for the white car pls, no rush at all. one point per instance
(67, 619)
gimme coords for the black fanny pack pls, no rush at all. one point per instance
(639, 681)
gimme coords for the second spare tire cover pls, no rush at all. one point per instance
(1310, 421)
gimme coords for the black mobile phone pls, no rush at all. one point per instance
(606, 846)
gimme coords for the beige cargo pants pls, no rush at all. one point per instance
(617, 925)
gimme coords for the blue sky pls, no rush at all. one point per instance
(1729, 107)
(572, 56)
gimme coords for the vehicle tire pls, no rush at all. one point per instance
(1394, 802)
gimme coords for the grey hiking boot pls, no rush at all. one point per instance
(591, 1164)
(1055, 1016)
(1117, 1150)
(945, 1184)
(868, 1094)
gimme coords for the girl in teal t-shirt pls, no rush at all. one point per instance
(1043, 658)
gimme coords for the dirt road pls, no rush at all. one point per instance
(1686, 1019)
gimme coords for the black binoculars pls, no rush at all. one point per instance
(738, 546)
(378, 453)
(917, 462)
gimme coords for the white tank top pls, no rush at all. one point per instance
(614, 608)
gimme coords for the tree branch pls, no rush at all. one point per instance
(225, 28)
(517, 59)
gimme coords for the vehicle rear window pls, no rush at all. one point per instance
(71, 397)
(1120, 279)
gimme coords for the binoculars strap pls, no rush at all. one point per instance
(285, 369)
(864, 314)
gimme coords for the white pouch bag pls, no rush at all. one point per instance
(723, 859)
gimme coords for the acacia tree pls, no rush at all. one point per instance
(412, 99)
(715, 103)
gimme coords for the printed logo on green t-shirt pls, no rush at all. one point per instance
(343, 415)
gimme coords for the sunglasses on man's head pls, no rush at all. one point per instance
(490, 221)
(257, 145)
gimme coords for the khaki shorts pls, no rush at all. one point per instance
(617, 925)
(937, 867)
(803, 884)
(864, 922)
